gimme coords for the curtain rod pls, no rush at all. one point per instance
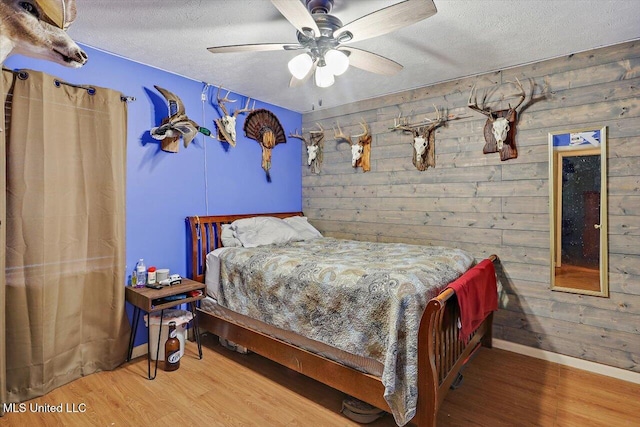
(22, 74)
(90, 89)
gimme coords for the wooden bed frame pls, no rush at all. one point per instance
(441, 355)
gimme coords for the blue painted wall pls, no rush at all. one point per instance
(208, 177)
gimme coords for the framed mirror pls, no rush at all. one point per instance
(578, 211)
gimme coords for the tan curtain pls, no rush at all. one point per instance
(5, 78)
(66, 163)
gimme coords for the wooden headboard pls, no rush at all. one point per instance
(205, 234)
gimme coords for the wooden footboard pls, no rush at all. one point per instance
(441, 353)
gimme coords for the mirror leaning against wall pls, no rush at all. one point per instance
(578, 211)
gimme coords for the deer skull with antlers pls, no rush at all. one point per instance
(227, 123)
(361, 149)
(37, 28)
(499, 130)
(314, 147)
(423, 138)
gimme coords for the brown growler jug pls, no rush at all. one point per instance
(172, 349)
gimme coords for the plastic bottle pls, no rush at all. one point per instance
(151, 275)
(141, 274)
(172, 349)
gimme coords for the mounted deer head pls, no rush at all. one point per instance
(314, 147)
(361, 149)
(227, 123)
(37, 28)
(499, 130)
(423, 137)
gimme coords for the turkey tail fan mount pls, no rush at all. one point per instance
(263, 126)
(323, 42)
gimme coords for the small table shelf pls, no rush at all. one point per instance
(153, 300)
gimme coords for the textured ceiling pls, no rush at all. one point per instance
(465, 38)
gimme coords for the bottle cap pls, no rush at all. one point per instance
(151, 269)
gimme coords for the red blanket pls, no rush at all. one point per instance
(477, 295)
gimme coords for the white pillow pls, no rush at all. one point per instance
(228, 236)
(263, 230)
(305, 230)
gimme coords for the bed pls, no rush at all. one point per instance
(406, 372)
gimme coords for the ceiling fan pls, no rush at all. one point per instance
(325, 40)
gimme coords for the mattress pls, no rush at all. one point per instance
(210, 304)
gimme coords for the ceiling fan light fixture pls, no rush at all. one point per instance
(337, 61)
(324, 77)
(300, 65)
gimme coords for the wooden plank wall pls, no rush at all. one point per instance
(476, 202)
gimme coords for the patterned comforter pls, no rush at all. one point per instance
(362, 297)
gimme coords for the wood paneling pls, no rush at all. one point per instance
(478, 203)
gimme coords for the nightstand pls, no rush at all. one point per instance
(154, 300)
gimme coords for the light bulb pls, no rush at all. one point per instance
(300, 65)
(324, 77)
(337, 61)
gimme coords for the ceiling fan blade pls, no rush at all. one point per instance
(386, 20)
(372, 62)
(298, 15)
(299, 82)
(258, 47)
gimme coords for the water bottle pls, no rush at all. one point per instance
(141, 274)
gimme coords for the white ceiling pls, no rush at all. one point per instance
(465, 38)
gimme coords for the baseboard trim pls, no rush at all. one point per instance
(574, 362)
(139, 350)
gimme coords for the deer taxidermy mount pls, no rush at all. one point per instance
(500, 127)
(176, 125)
(37, 28)
(227, 123)
(424, 147)
(314, 144)
(325, 41)
(263, 126)
(361, 149)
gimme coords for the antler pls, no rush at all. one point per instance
(299, 136)
(402, 123)
(221, 101)
(245, 109)
(473, 100)
(340, 136)
(427, 124)
(431, 124)
(365, 128)
(523, 94)
(321, 130)
(474, 104)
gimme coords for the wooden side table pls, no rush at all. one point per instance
(154, 300)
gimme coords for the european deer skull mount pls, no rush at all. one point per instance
(424, 150)
(314, 145)
(37, 28)
(361, 149)
(227, 123)
(500, 128)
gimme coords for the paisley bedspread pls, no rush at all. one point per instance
(362, 297)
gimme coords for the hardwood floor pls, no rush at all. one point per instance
(500, 388)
